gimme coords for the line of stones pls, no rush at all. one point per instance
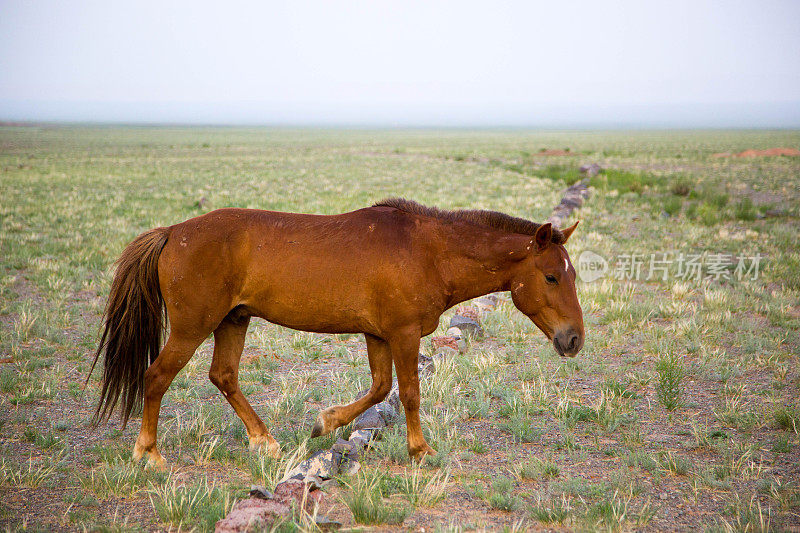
(299, 487)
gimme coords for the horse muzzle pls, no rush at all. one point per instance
(568, 343)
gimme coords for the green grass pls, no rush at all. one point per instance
(199, 505)
(685, 387)
(366, 502)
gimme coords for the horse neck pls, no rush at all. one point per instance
(473, 265)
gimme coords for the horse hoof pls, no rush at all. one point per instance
(156, 462)
(317, 430)
(420, 454)
(137, 454)
(321, 427)
(266, 443)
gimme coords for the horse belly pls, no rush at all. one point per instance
(324, 300)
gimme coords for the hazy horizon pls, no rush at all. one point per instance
(451, 64)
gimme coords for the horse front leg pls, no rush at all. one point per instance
(380, 364)
(405, 353)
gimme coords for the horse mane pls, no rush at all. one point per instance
(492, 219)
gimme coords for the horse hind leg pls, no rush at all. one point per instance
(173, 357)
(380, 364)
(405, 352)
(224, 374)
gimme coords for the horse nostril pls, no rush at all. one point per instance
(573, 342)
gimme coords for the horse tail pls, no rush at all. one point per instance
(135, 321)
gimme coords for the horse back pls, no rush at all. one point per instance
(330, 273)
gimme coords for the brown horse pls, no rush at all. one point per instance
(388, 271)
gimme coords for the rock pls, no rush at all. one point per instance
(329, 484)
(261, 511)
(424, 363)
(349, 468)
(573, 198)
(454, 332)
(347, 449)
(467, 326)
(393, 398)
(469, 312)
(362, 437)
(591, 170)
(361, 394)
(369, 419)
(777, 212)
(326, 524)
(293, 492)
(444, 352)
(321, 464)
(257, 491)
(388, 411)
(572, 201)
(447, 340)
(580, 188)
(484, 303)
(252, 514)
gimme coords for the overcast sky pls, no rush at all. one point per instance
(372, 62)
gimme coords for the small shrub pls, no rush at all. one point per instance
(787, 418)
(477, 445)
(554, 512)
(422, 491)
(535, 468)
(707, 214)
(615, 514)
(577, 486)
(502, 496)
(747, 516)
(617, 390)
(674, 464)
(781, 445)
(568, 443)
(718, 200)
(570, 414)
(681, 187)
(669, 381)
(745, 210)
(642, 460)
(672, 206)
(521, 429)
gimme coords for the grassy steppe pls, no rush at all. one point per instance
(682, 411)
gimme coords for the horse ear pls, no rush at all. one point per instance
(543, 236)
(567, 232)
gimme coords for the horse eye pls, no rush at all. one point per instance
(551, 279)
